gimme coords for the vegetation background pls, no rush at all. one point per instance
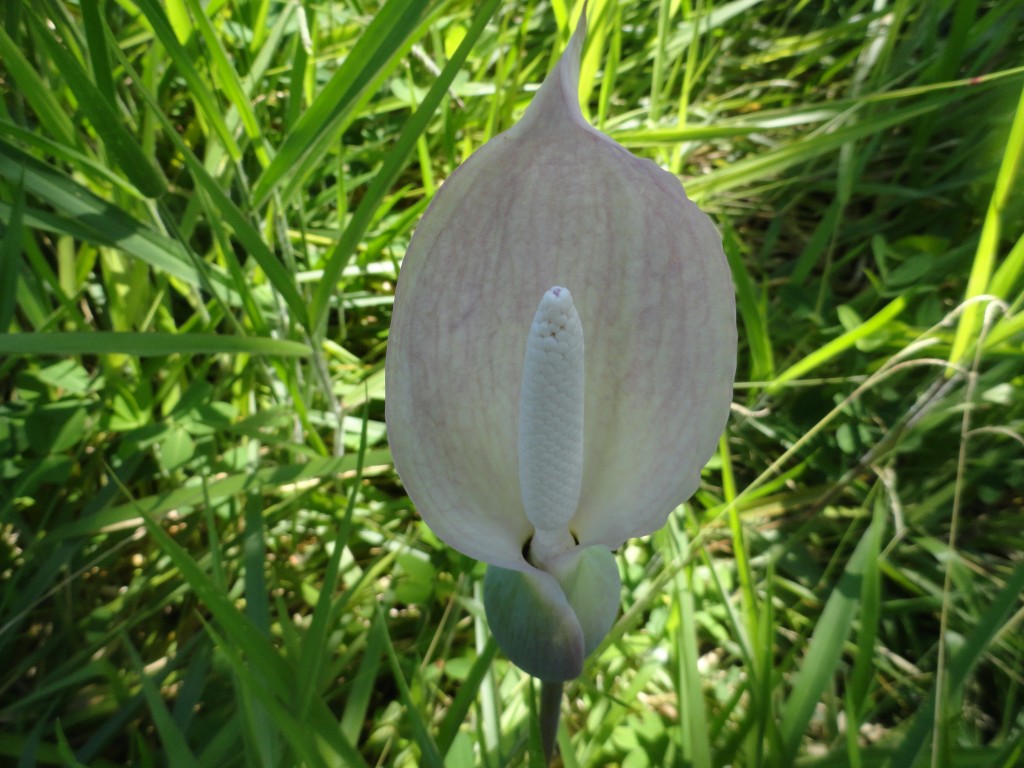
(205, 555)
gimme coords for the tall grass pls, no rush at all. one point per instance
(205, 555)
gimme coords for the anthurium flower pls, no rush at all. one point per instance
(559, 367)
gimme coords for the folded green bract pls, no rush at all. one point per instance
(559, 368)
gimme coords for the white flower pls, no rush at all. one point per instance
(559, 368)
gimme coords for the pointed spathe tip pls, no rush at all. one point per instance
(580, 34)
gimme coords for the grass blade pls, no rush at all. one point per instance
(430, 756)
(129, 515)
(392, 166)
(84, 215)
(228, 81)
(988, 246)
(837, 346)
(467, 694)
(10, 260)
(109, 125)
(174, 740)
(826, 645)
(52, 115)
(324, 118)
(988, 625)
(185, 62)
(154, 344)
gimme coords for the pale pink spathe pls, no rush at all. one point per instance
(554, 202)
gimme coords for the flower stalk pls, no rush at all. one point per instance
(550, 712)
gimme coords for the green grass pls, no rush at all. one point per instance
(205, 555)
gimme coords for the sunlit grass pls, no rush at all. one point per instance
(205, 555)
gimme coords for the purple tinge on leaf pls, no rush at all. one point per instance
(555, 203)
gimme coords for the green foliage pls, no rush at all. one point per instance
(205, 555)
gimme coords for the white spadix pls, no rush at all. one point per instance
(551, 424)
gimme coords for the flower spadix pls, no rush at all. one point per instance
(559, 368)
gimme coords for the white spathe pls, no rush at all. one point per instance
(553, 202)
(539, 436)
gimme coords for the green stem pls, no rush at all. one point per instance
(550, 710)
